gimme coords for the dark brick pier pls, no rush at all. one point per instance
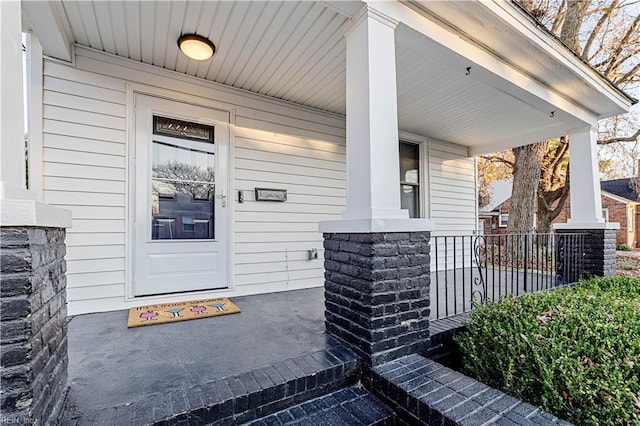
(33, 326)
(599, 250)
(377, 293)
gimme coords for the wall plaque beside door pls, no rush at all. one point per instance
(270, 194)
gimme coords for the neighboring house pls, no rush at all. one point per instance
(492, 217)
(338, 113)
(620, 201)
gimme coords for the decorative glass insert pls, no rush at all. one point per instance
(183, 181)
(410, 178)
(182, 129)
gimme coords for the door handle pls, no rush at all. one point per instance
(223, 198)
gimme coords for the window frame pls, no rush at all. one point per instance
(418, 187)
(501, 217)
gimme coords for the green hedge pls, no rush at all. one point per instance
(574, 352)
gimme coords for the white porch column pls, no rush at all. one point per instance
(586, 203)
(598, 236)
(18, 206)
(11, 103)
(373, 170)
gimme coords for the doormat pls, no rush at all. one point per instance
(180, 311)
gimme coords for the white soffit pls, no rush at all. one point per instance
(444, 103)
(288, 50)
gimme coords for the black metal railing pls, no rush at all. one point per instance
(471, 270)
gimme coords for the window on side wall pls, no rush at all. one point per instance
(605, 214)
(503, 219)
(410, 178)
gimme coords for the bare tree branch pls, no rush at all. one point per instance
(631, 138)
(596, 30)
(563, 199)
(628, 77)
(498, 159)
(623, 42)
(561, 150)
(557, 23)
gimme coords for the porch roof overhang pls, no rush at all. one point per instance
(479, 74)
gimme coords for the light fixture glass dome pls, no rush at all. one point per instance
(196, 47)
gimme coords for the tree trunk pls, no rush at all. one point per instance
(576, 10)
(550, 206)
(524, 196)
(528, 159)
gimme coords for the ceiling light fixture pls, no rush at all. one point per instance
(196, 47)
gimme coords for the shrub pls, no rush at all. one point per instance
(574, 352)
(623, 247)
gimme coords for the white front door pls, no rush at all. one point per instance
(179, 208)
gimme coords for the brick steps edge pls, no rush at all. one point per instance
(422, 391)
(352, 406)
(235, 399)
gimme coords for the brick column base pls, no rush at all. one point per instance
(33, 327)
(377, 293)
(599, 251)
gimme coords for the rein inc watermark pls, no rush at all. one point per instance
(16, 420)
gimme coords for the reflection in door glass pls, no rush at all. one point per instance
(183, 181)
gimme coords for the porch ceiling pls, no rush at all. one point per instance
(296, 51)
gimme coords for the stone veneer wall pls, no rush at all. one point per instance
(599, 250)
(33, 327)
(377, 293)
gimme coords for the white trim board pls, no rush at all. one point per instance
(618, 198)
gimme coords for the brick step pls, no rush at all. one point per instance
(351, 406)
(422, 391)
(235, 399)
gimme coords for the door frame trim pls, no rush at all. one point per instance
(133, 89)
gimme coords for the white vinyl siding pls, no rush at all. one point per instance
(272, 239)
(452, 187)
(453, 206)
(84, 170)
(275, 145)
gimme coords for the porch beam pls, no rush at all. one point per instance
(49, 22)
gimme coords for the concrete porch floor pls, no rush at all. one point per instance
(110, 364)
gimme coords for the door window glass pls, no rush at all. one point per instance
(183, 180)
